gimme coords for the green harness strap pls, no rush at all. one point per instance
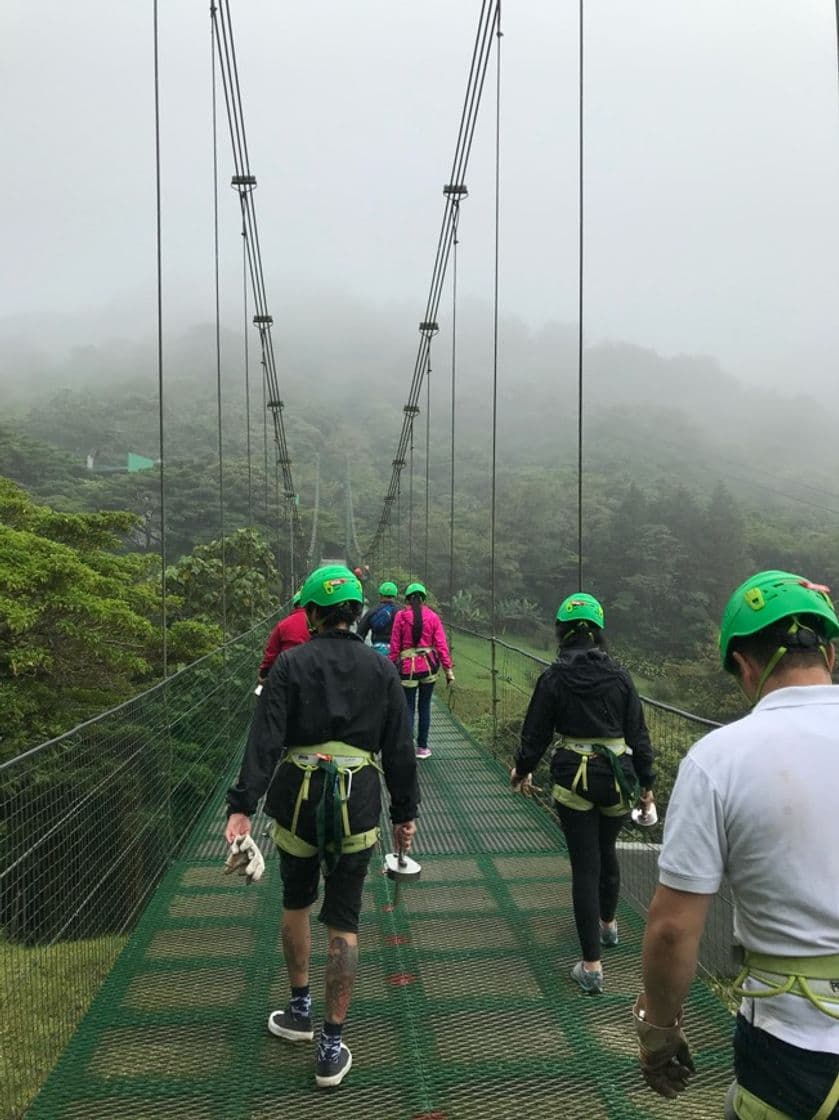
(749, 1107)
(611, 750)
(332, 818)
(791, 976)
(414, 652)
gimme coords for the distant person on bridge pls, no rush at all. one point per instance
(378, 621)
(599, 767)
(418, 648)
(293, 630)
(326, 711)
(753, 801)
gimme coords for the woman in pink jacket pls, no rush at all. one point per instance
(418, 648)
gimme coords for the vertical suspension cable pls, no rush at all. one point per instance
(265, 452)
(493, 488)
(160, 426)
(220, 446)
(455, 244)
(580, 328)
(247, 373)
(411, 503)
(427, 453)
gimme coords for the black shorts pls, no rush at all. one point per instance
(793, 1080)
(341, 892)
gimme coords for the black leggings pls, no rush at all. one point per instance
(595, 874)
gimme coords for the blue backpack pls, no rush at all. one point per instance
(382, 619)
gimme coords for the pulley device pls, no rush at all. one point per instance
(402, 869)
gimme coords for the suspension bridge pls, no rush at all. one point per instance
(136, 978)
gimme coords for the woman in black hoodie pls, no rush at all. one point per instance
(602, 762)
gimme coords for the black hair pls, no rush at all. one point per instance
(805, 647)
(580, 635)
(330, 617)
(415, 603)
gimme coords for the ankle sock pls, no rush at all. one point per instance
(329, 1046)
(301, 1001)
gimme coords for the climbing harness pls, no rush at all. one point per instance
(411, 654)
(611, 750)
(812, 978)
(743, 1105)
(339, 762)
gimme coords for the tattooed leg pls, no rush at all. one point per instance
(297, 945)
(341, 968)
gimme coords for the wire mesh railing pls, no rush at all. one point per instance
(493, 712)
(89, 822)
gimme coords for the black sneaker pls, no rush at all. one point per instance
(296, 1028)
(329, 1074)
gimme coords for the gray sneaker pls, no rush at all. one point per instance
(590, 981)
(329, 1074)
(609, 935)
(296, 1028)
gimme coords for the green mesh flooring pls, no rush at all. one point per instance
(463, 1008)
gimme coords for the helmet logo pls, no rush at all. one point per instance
(754, 598)
(329, 585)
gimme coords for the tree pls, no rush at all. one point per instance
(244, 571)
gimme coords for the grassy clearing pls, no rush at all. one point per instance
(44, 992)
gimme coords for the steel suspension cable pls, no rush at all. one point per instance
(480, 61)
(219, 433)
(228, 68)
(580, 323)
(247, 376)
(427, 455)
(160, 420)
(494, 472)
(411, 506)
(455, 243)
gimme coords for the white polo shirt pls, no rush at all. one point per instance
(757, 800)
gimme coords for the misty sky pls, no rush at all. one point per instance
(712, 166)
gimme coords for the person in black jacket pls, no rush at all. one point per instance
(327, 709)
(601, 764)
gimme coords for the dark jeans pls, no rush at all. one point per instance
(424, 691)
(793, 1080)
(595, 875)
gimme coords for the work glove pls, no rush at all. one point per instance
(664, 1054)
(523, 784)
(245, 859)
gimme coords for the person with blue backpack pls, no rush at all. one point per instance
(378, 621)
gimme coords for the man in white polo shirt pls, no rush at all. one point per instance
(756, 800)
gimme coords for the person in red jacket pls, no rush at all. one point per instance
(290, 631)
(418, 648)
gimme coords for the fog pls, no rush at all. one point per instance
(711, 175)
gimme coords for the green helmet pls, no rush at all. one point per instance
(768, 597)
(389, 588)
(415, 589)
(580, 608)
(330, 585)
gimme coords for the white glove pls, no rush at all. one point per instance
(246, 859)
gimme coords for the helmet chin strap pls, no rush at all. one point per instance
(769, 669)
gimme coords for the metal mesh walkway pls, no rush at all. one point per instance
(463, 1009)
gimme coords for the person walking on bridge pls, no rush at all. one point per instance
(752, 800)
(326, 711)
(378, 621)
(293, 630)
(602, 762)
(418, 648)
